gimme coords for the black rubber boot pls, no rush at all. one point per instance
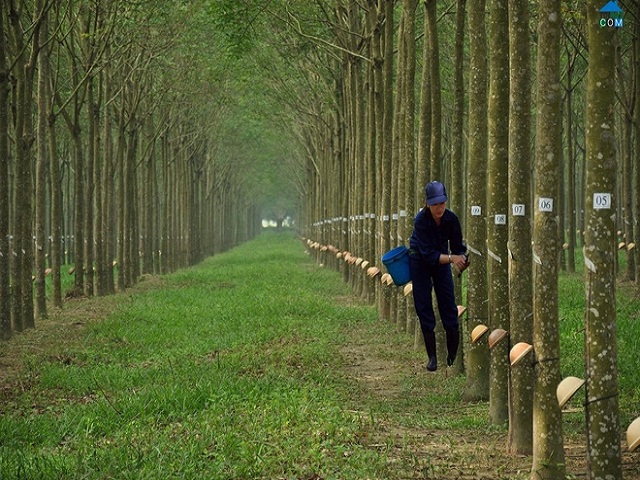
(430, 344)
(453, 340)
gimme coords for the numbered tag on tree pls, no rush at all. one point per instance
(601, 201)
(545, 204)
(518, 210)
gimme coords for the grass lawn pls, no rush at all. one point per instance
(257, 364)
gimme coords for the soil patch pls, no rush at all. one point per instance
(417, 437)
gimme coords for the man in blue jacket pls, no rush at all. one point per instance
(436, 244)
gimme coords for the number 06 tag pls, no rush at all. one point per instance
(545, 204)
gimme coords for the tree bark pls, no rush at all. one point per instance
(42, 170)
(548, 454)
(498, 181)
(626, 97)
(435, 143)
(636, 179)
(93, 139)
(57, 219)
(24, 72)
(5, 290)
(477, 386)
(570, 184)
(407, 187)
(603, 432)
(519, 243)
(387, 144)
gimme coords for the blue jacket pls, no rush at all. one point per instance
(431, 240)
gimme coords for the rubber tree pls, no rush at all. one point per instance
(433, 64)
(548, 453)
(519, 219)
(456, 185)
(386, 158)
(5, 88)
(497, 197)
(627, 91)
(636, 109)
(42, 168)
(407, 151)
(571, 56)
(601, 406)
(477, 386)
(27, 44)
(375, 24)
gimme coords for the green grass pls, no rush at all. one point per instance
(227, 371)
(572, 341)
(238, 369)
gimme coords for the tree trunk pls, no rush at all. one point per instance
(78, 202)
(603, 433)
(519, 244)
(99, 147)
(24, 72)
(423, 154)
(42, 167)
(626, 96)
(5, 290)
(497, 207)
(477, 387)
(148, 197)
(406, 189)
(131, 263)
(107, 221)
(636, 180)
(548, 454)
(436, 94)
(387, 144)
(456, 185)
(57, 239)
(89, 251)
(374, 142)
(396, 170)
(121, 254)
(570, 185)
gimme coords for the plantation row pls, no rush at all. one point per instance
(521, 356)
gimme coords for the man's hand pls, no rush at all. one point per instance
(460, 262)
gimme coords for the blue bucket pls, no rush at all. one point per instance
(397, 263)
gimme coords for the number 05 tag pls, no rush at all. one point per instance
(601, 201)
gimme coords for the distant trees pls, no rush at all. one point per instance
(138, 177)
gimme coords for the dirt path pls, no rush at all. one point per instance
(414, 429)
(427, 437)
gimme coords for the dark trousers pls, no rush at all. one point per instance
(437, 277)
